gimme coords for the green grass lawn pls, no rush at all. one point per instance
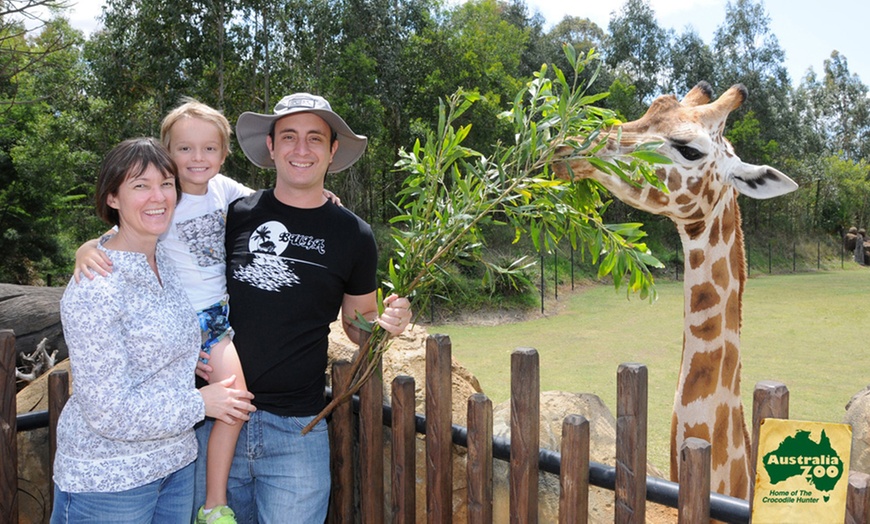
(808, 331)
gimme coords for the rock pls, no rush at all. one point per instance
(407, 356)
(33, 313)
(858, 416)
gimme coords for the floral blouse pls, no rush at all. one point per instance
(133, 345)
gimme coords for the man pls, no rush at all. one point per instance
(294, 260)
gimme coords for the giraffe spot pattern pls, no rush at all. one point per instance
(695, 229)
(730, 367)
(720, 436)
(738, 264)
(704, 378)
(737, 436)
(694, 184)
(739, 478)
(720, 273)
(675, 180)
(701, 431)
(714, 233)
(709, 329)
(729, 221)
(732, 312)
(696, 258)
(703, 296)
(658, 197)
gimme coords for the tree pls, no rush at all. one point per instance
(585, 36)
(18, 20)
(691, 61)
(748, 53)
(638, 49)
(838, 108)
(44, 156)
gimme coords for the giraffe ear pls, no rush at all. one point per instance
(761, 182)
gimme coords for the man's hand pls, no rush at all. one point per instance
(397, 314)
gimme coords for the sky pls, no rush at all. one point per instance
(807, 30)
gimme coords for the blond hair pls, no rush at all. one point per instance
(192, 108)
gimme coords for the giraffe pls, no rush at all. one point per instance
(703, 183)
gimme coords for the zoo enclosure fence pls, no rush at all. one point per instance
(358, 487)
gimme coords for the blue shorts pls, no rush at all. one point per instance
(214, 324)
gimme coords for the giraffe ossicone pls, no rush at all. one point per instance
(702, 184)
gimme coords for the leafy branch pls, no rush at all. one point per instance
(451, 191)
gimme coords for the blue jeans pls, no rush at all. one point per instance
(278, 475)
(164, 500)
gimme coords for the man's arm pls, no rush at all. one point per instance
(396, 316)
(353, 304)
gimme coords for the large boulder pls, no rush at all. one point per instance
(858, 416)
(33, 313)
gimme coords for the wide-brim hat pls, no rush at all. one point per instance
(252, 129)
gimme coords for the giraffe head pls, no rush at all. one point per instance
(704, 166)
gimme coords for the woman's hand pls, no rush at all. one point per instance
(224, 403)
(397, 314)
(203, 370)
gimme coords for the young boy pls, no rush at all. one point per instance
(198, 139)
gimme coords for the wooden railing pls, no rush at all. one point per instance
(358, 487)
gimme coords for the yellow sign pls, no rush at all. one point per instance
(802, 473)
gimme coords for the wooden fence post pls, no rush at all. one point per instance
(403, 471)
(8, 430)
(574, 471)
(341, 449)
(479, 461)
(631, 443)
(858, 499)
(525, 435)
(58, 394)
(439, 429)
(769, 400)
(371, 446)
(694, 496)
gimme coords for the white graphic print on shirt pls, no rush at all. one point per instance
(268, 270)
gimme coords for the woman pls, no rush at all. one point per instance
(126, 445)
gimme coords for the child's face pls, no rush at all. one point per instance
(196, 147)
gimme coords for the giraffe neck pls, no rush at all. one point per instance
(707, 402)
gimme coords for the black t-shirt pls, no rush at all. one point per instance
(288, 270)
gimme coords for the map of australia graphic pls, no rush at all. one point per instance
(799, 456)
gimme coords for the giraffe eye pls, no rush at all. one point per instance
(689, 153)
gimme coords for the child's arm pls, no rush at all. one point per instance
(89, 259)
(332, 196)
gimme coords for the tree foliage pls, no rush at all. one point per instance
(385, 65)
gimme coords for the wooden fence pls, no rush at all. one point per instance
(363, 481)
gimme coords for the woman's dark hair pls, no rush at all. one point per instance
(130, 159)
